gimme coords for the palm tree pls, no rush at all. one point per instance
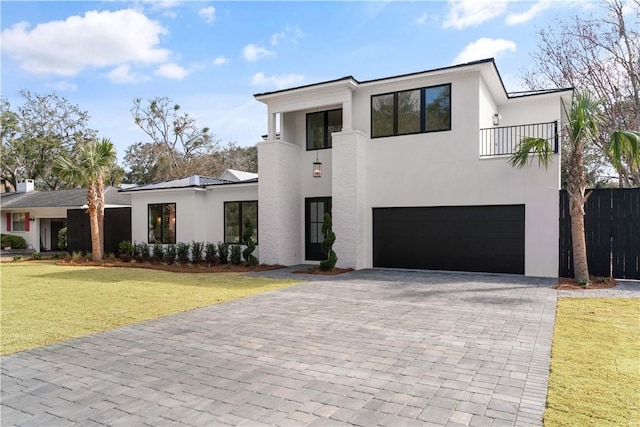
(89, 166)
(581, 131)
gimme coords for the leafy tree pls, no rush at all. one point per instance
(146, 163)
(327, 244)
(174, 137)
(88, 166)
(37, 132)
(581, 132)
(600, 55)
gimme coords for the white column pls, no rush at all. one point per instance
(271, 132)
(349, 198)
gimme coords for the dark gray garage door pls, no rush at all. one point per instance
(458, 238)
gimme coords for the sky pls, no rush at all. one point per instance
(212, 57)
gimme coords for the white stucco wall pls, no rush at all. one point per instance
(280, 209)
(199, 211)
(39, 229)
(429, 169)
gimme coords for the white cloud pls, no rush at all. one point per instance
(171, 71)
(276, 37)
(252, 52)
(465, 13)
(285, 80)
(221, 60)
(123, 74)
(208, 13)
(484, 48)
(63, 86)
(422, 19)
(291, 33)
(535, 10)
(97, 39)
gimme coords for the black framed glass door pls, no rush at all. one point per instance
(315, 208)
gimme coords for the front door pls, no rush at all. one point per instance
(56, 226)
(315, 208)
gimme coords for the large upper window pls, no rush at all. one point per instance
(162, 223)
(411, 111)
(236, 215)
(320, 126)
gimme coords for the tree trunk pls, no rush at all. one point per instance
(96, 247)
(576, 187)
(580, 266)
(100, 209)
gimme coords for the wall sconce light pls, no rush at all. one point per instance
(317, 167)
(32, 219)
(496, 119)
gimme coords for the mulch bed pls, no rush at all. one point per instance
(316, 270)
(569, 283)
(177, 268)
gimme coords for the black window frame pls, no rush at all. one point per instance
(423, 111)
(163, 239)
(327, 143)
(241, 222)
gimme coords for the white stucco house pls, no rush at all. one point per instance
(38, 216)
(413, 169)
(195, 209)
(414, 172)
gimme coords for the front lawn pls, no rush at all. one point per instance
(42, 303)
(595, 363)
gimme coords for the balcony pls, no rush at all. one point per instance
(503, 140)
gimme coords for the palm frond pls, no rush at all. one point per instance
(529, 147)
(625, 146)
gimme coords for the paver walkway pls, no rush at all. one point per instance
(373, 347)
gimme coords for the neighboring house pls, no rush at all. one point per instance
(38, 216)
(414, 170)
(195, 208)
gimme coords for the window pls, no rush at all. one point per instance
(235, 216)
(411, 111)
(19, 221)
(162, 223)
(320, 126)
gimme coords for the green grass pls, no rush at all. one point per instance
(595, 363)
(42, 303)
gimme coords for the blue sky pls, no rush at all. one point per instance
(211, 57)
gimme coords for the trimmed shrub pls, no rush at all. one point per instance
(196, 252)
(62, 238)
(36, 255)
(170, 254)
(141, 251)
(327, 244)
(182, 250)
(210, 252)
(15, 242)
(236, 255)
(158, 252)
(247, 238)
(125, 250)
(223, 252)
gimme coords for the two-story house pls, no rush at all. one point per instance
(414, 171)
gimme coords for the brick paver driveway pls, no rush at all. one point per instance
(373, 347)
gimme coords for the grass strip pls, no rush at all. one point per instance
(595, 363)
(42, 303)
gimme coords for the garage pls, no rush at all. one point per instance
(456, 238)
